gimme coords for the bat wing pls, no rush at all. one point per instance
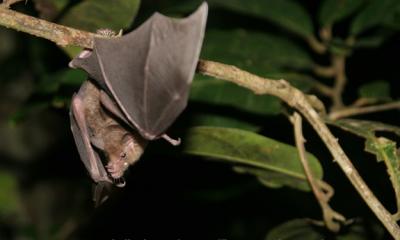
(88, 155)
(110, 106)
(101, 192)
(149, 71)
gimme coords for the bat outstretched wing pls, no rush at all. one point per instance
(148, 72)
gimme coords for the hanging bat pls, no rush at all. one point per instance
(95, 130)
(148, 72)
(142, 81)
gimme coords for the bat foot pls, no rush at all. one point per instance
(120, 182)
(174, 142)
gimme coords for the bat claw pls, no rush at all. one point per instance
(174, 142)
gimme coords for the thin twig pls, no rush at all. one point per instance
(282, 89)
(316, 45)
(322, 89)
(362, 102)
(325, 33)
(347, 112)
(324, 71)
(330, 216)
(339, 64)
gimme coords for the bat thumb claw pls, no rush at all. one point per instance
(71, 64)
(174, 142)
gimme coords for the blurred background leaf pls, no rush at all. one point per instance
(373, 14)
(275, 164)
(377, 90)
(91, 15)
(332, 11)
(305, 229)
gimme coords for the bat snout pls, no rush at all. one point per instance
(116, 168)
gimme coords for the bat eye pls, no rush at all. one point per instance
(123, 155)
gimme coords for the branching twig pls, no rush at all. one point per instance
(298, 100)
(322, 89)
(281, 89)
(331, 217)
(352, 111)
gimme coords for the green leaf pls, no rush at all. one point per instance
(51, 83)
(373, 41)
(364, 128)
(10, 201)
(257, 52)
(393, 20)
(374, 14)
(332, 11)
(384, 149)
(91, 15)
(288, 14)
(215, 95)
(220, 120)
(50, 9)
(276, 164)
(220, 92)
(295, 229)
(304, 229)
(27, 110)
(260, 53)
(218, 95)
(379, 90)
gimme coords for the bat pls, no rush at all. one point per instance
(148, 72)
(139, 84)
(96, 130)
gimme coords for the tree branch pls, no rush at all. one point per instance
(61, 35)
(330, 216)
(296, 99)
(280, 88)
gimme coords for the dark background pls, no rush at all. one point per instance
(169, 195)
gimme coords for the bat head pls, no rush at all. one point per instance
(124, 153)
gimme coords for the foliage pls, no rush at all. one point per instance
(278, 39)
